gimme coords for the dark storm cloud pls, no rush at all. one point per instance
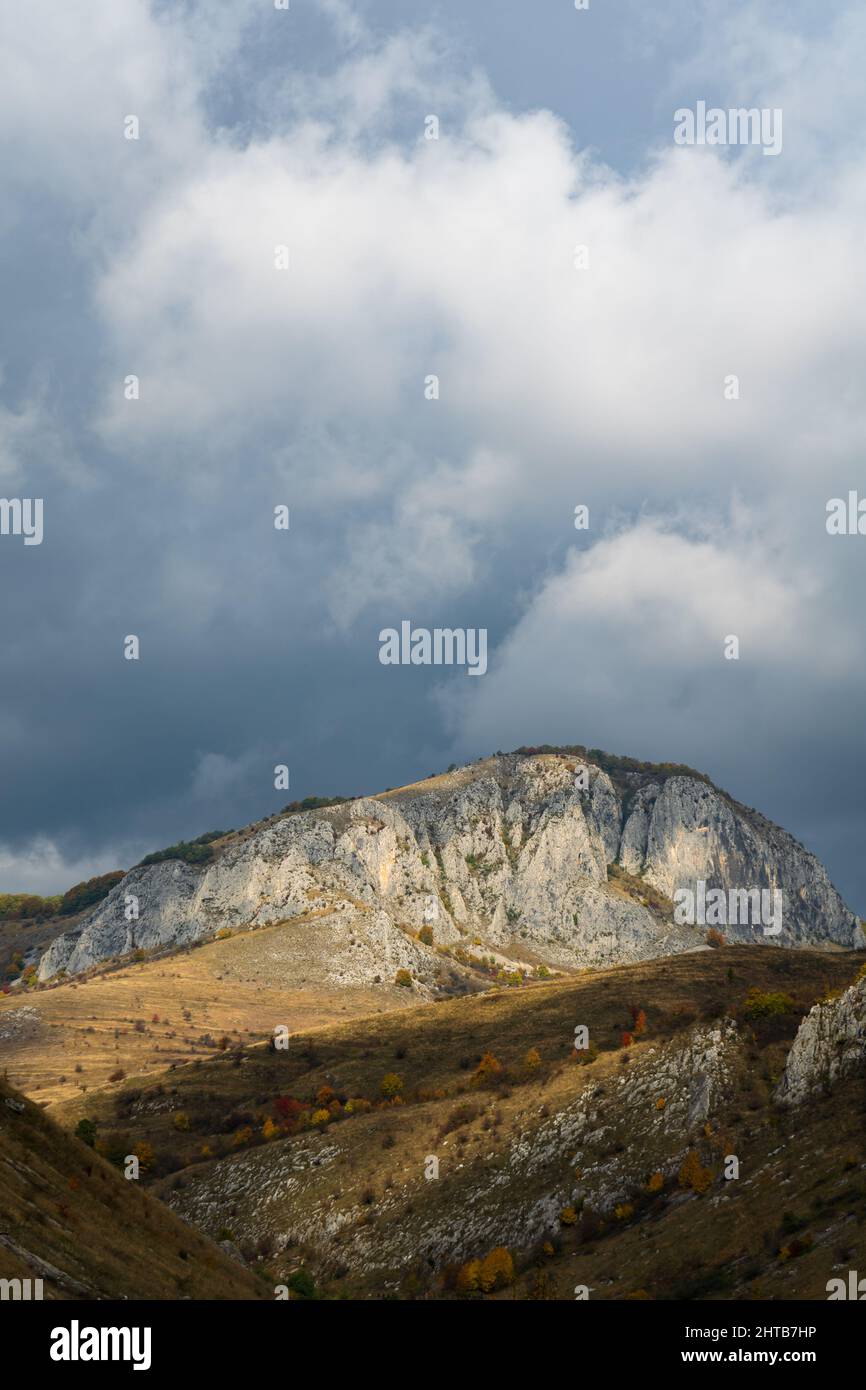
(410, 257)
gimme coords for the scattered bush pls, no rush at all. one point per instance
(196, 851)
(85, 1130)
(87, 894)
(301, 1284)
(314, 803)
(693, 1174)
(468, 1277)
(767, 1004)
(487, 1068)
(497, 1270)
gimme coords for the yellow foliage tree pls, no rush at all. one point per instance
(497, 1270)
(146, 1156)
(532, 1060)
(467, 1277)
(487, 1067)
(693, 1174)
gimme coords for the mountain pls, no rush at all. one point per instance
(69, 1218)
(558, 858)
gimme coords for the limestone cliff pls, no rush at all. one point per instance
(537, 857)
(830, 1045)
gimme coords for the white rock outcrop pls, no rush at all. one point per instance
(830, 1045)
(509, 851)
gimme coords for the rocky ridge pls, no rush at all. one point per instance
(517, 854)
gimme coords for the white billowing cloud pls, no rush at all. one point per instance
(456, 258)
(373, 87)
(631, 634)
(428, 544)
(68, 86)
(785, 54)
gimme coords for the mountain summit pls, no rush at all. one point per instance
(561, 858)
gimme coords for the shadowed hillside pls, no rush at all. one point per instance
(69, 1218)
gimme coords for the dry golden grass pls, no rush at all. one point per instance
(229, 988)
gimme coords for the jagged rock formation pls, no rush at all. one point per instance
(515, 852)
(830, 1045)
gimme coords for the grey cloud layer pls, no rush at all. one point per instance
(558, 386)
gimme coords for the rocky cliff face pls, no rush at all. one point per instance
(540, 858)
(830, 1045)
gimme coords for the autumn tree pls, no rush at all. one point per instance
(693, 1174)
(468, 1276)
(488, 1067)
(497, 1270)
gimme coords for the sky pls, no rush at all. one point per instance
(599, 378)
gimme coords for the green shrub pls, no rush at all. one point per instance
(88, 893)
(85, 1130)
(766, 1003)
(302, 1284)
(196, 851)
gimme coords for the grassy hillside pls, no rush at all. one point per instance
(318, 1158)
(71, 1038)
(69, 1217)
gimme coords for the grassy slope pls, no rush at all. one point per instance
(237, 988)
(365, 1174)
(63, 1206)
